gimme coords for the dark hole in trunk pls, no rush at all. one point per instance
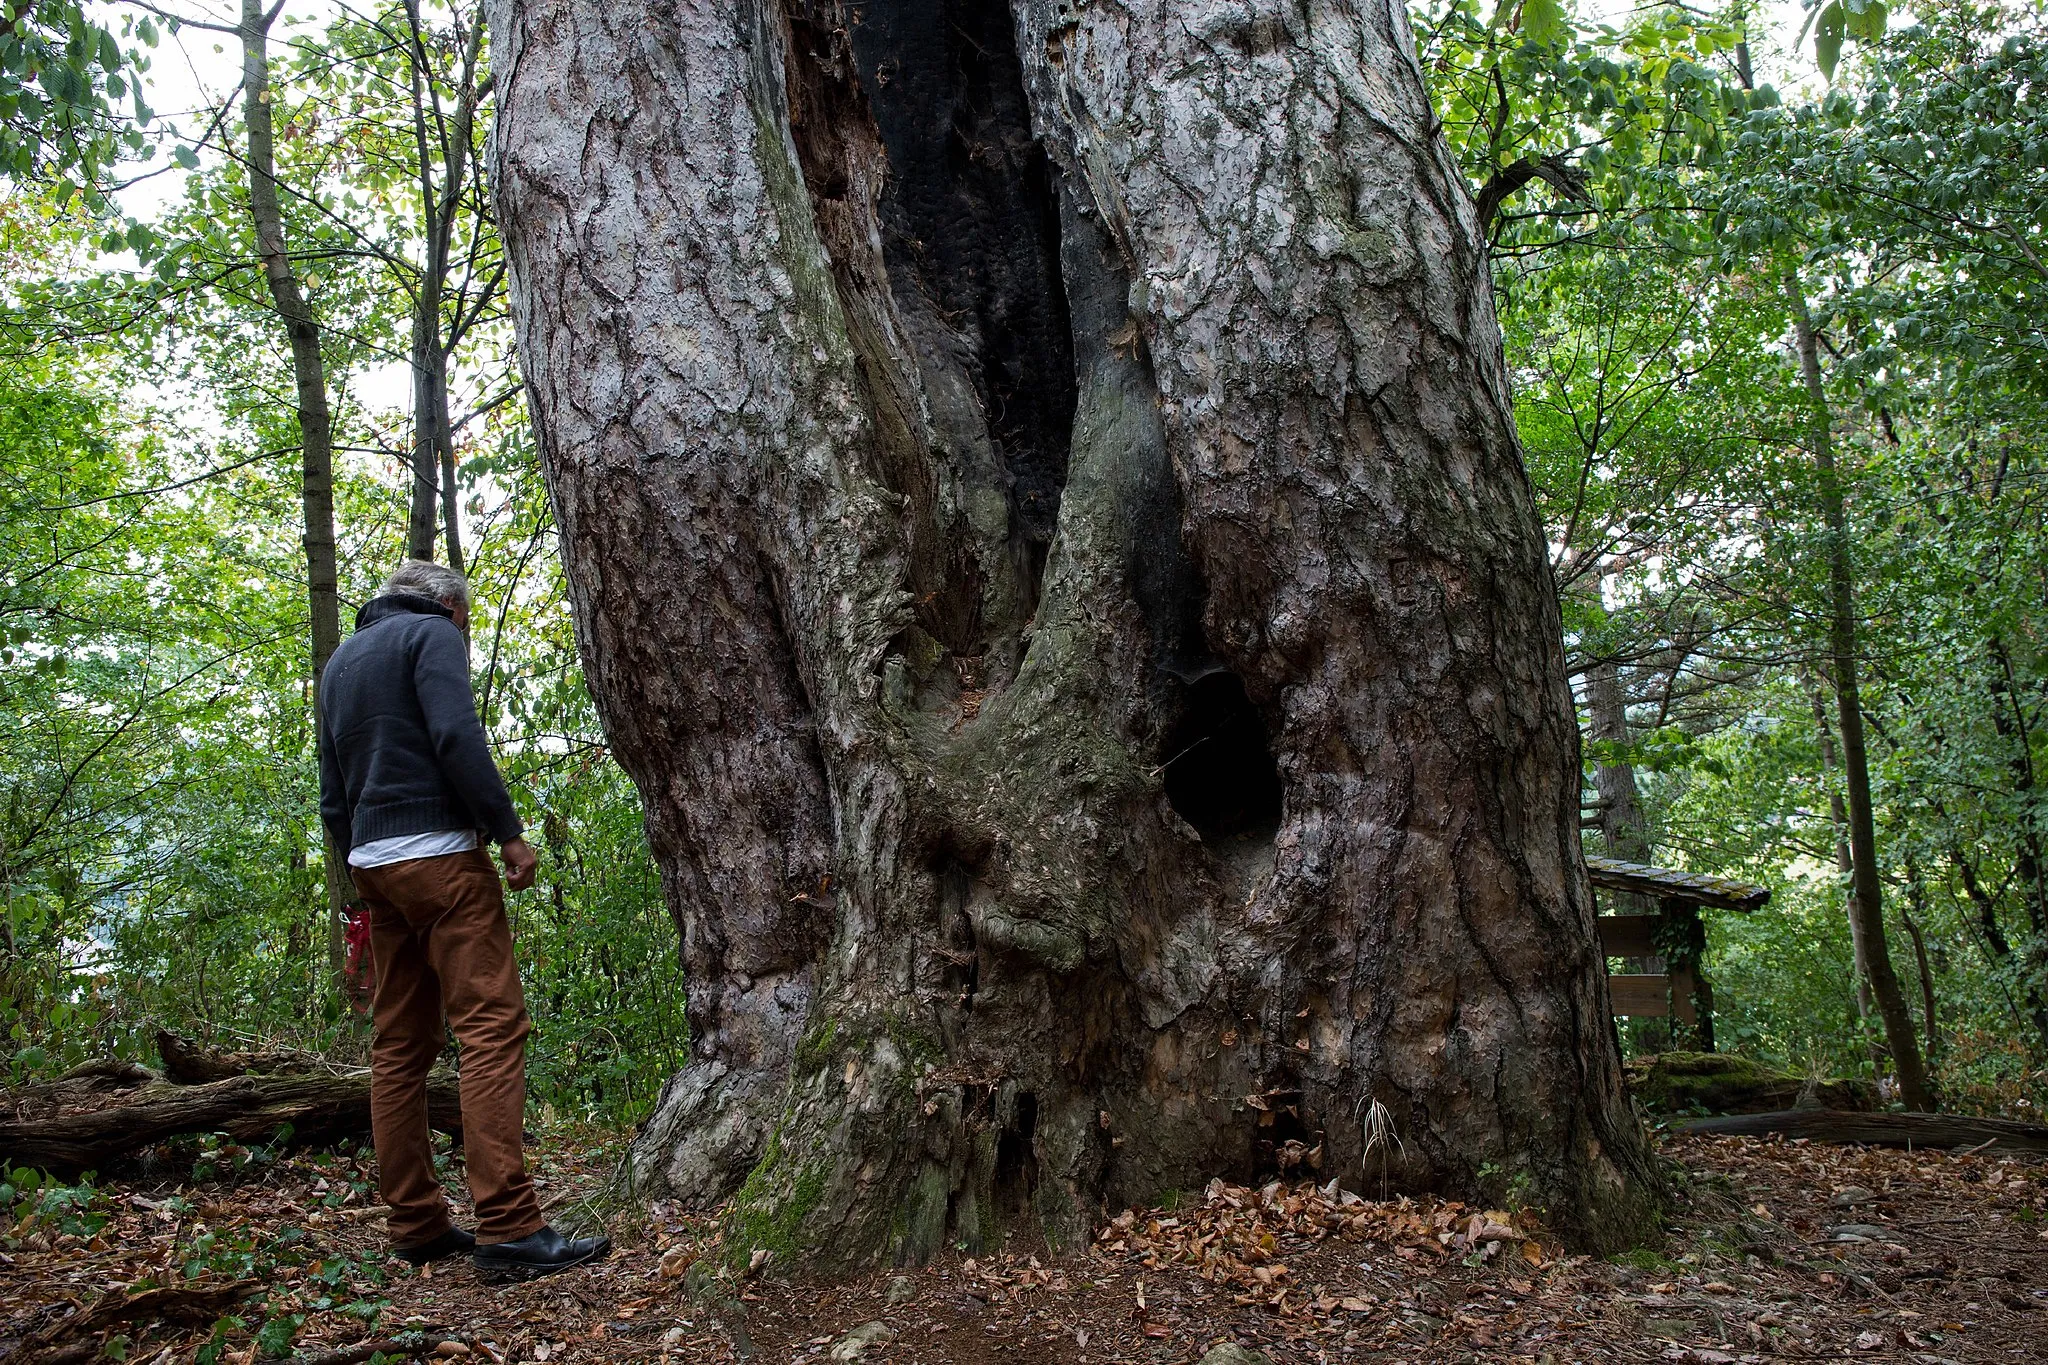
(971, 223)
(1016, 1170)
(1220, 774)
(1284, 1139)
(961, 975)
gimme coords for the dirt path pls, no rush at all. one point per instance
(1780, 1251)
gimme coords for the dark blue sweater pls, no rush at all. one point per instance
(401, 749)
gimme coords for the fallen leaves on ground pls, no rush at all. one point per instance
(1778, 1251)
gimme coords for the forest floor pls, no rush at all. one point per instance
(1778, 1251)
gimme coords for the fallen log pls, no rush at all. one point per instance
(82, 1087)
(190, 1063)
(1722, 1083)
(96, 1115)
(1880, 1130)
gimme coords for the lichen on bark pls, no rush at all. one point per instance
(1049, 545)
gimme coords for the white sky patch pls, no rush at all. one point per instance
(191, 73)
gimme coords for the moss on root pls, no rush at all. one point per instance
(769, 1212)
(814, 1049)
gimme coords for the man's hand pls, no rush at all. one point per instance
(520, 862)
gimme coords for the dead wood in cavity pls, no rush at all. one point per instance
(101, 1113)
(1881, 1130)
(183, 1304)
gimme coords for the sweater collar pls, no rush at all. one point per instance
(399, 604)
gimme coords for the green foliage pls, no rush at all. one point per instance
(32, 1200)
(1835, 21)
(160, 857)
(274, 1338)
(1666, 428)
(70, 94)
(1559, 121)
(220, 1339)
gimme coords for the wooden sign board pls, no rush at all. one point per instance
(1653, 997)
(1627, 935)
(1645, 997)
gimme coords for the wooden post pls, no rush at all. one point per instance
(1684, 937)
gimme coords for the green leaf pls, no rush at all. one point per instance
(274, 1339)
(1827, 38)
(1867, 22)
(1543, 21)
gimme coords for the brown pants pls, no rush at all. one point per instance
(440, 941)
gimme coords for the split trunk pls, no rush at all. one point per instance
(1048, 541)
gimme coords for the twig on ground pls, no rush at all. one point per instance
(408, 1344)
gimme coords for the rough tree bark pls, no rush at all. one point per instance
(1049, 544)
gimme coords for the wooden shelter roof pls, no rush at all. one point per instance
(1667, 884)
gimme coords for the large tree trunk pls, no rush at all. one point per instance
(1050, 547)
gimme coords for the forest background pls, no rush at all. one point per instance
(1773, 288)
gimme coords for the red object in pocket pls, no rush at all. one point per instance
(359, 971)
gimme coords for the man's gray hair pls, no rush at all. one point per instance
(428, 579)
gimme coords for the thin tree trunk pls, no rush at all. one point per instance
(429, 374)
(1680, 931)
(2029, 866)
(1622, 827)
(451, 507)
(1083, 638)
(316, 440)
(1997, 944)
(426, 465)
(447, 142)
(1916, 897)
(1869, 903)
(1614, 782)
(1838, 820)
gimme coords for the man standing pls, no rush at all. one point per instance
(406, 785)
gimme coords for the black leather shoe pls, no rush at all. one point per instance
(454, 1242)
(544, 1253)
